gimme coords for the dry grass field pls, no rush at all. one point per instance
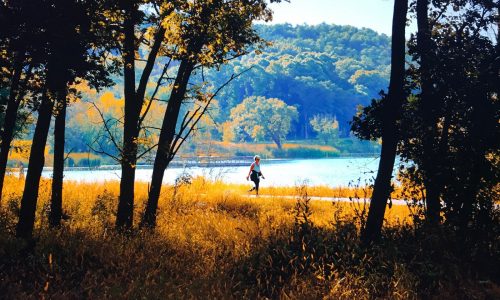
(213, 241)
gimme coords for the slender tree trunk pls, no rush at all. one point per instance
(393, 107)
(430, 164)
(278, 143)
(25, 226)
(133, 104)
(163, 155)
(58, 172)
(10, 119)
(498, 51)
(124, 217)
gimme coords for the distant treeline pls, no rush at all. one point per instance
(323, 70)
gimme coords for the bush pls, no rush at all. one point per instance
(70, 162)
(89, 162)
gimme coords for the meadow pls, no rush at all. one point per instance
(214, 241)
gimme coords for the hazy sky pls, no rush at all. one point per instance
(374, 14)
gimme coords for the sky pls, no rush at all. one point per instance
(374, 14)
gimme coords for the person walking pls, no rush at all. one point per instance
(254, 174)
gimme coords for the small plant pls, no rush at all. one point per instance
(359, 202)
(104, 208)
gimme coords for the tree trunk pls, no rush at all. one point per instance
(392, 111)
(167, 133)
(431, 158)
(277, 141)
(10, 119)
(133, 104)
(58, 172)
(124, 217)
(25, 226)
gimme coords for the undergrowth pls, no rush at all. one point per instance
(212, 241)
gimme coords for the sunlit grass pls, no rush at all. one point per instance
(80, 197)
(212, 241)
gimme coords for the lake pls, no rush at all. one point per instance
(331, 172)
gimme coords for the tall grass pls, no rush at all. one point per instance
(213, 241)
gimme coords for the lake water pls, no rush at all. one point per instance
(331, 172)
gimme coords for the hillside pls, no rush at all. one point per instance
(323, 69)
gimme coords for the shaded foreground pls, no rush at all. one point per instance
(213, 241)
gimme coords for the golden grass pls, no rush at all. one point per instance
(212, 241)
(80, 198)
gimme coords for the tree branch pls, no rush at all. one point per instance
(106, 127)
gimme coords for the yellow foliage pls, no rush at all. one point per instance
(20, 150)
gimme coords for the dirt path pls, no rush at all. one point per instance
(329, 199)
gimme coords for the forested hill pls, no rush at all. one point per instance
(322, 69)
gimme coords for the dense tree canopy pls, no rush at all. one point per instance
(258, 119)
(320, 69)
(327, 127)
(448, 132)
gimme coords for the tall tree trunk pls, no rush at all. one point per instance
(163, 155)
(26, 222)
(10, 118)
(392, 112)
(124, 217)
(498, 52)
(133, 104)
(58, 172)
(431, 157)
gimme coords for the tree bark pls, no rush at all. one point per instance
(26, 222)
(133, 104)
(392, 112)
(167, 133)
(10, 118)
(124, 217)
(431, 157)
(58, 172)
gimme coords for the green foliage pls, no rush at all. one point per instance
(258, 118)
(322, 69)
(329, 75)
(326, 127)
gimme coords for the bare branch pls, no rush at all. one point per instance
(68, 154)
(179, 139)
(158, 84)
(106, 127)
(102, 152)
(224, 61)
(147, 151)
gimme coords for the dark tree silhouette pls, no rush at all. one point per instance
(54, 86)
(85, 65)
(430, 163)
(391, 111)
(58, 170)
(134, 100)
(449, 129)
(65, 36)
(17, 39)
(449, 133)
